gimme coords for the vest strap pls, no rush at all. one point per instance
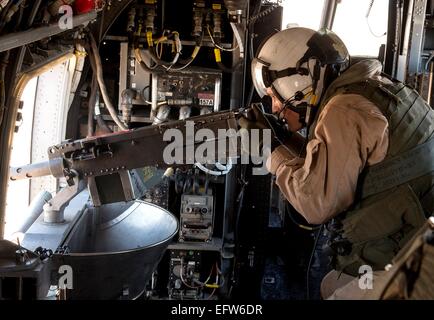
(404, 167)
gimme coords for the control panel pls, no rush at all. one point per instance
(196, 218)
(184, 274)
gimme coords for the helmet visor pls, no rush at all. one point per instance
(259, 78)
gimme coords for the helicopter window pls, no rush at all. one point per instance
(370, 17)
(41, 123)
(295, 13)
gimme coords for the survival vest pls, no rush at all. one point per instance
(395, 196)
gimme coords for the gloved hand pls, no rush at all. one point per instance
(256, 119)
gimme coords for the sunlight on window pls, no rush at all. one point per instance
(18, 195)
(306, 13)
(45, 100)
(362, 35)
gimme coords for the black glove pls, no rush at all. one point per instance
(256, 119)
(253, 119)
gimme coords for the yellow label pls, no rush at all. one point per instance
(150, 1)
(149, 38)
(218, 57)
(313, 100)
(80, 53)
(216, 6)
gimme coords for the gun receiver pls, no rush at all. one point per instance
(125, 150)
(105, 160)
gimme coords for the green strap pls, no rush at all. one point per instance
(404, 167)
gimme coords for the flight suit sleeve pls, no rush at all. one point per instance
(351, 133)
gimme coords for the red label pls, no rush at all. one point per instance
(205, 95)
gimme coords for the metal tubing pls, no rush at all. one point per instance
(430, 84)
(38, 169)
(8, 126)
(18, 39)
(328, 14)
(35, 210)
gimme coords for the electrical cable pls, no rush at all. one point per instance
(237, 35)
(212, 294)
(3, 15)
(4, 61)
(32, 15)
(192, 58)
(91, 107)
(430, 59)
(240, 198)
(103, 88)
(8, 12)
(186, 62)
(184, 66)
(202, 284)
(217, 52)
(251, 28)
(207, 279)
(217, 45)
(310, 262)
(145, 99)
(183, 280)
(178, 46)
(298, 224)
(20, 14)
(99, 119)
(262, 14)
(159, 45)
(139, 59)
(239, 201)
(367, 21)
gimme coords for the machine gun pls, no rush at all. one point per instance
(127, 237)
(104, 161)
(127, 234)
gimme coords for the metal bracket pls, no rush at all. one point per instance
(54, 209)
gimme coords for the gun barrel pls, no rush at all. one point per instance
(38, 169)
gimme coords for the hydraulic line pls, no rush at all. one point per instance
(35, 8)
(91, 110)
(178, 46)
(96, 111)
(103, 88)
(217, 53)
(4, 60)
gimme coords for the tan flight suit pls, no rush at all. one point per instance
(356, 130)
